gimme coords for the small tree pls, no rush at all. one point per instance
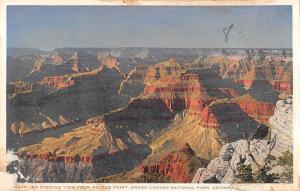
(262, 175)
(286, 160)
(244, 173)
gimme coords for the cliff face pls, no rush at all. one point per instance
(74, 61)
(179, 92)
(181, 89)
(19, 87)
(53, 59)
(109, 61)
(80, 168)
(224, 168)
(283, 81)
(282, 125)
(276, 71)
(233, 111)
(37, 65)
(58, 82)
(57, 171)
(56, 59)
(257, 110)
(65, 81)
(22, 128)
(141, 76)
(282, 86)
(196, 106)
(179, 165)
(208, 119)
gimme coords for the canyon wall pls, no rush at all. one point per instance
(179, 166)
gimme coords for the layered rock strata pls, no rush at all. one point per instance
(179, 165)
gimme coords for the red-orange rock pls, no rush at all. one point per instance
(176, 165)
(260, 111)
(208, 118)
(58, 82)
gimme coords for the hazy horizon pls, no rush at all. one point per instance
(136, 47)
(52, 27)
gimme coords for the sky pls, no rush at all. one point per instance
(50, 27)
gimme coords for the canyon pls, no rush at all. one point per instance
(119, 115)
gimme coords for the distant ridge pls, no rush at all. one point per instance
(24, 52)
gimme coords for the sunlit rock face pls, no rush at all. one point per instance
(179, 165)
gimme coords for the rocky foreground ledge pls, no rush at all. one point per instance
(256, 161)
(282, 125)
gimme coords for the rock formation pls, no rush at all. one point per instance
(58, 82)
(19, 87)
(282, 125)
(223, 169)
(179, 165)
(56, 59)
(74, 61)
(176, 166)
(38, 65)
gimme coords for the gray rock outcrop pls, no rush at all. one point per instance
(221, 169)
(282, 125)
